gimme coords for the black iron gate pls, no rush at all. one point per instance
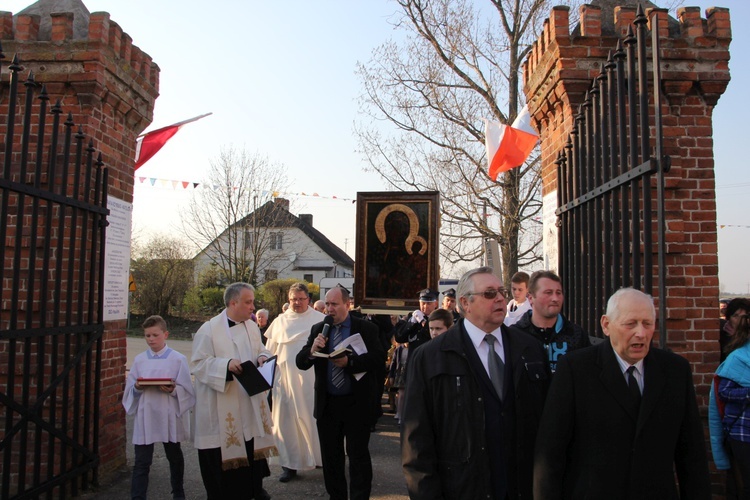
(606, 175)
(52, 226)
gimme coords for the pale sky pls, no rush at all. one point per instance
(279, 79)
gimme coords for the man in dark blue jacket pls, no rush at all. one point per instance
(546, 323)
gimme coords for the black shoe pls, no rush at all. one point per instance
(263, 495)
(287, 475)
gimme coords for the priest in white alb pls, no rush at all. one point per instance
(226, 419)
(294, 428)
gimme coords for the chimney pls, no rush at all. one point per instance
(306, 218)
(282, 202)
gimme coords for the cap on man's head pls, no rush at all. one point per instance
(427, 295)
(451, 292)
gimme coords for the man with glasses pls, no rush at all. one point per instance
(546, 323)
(474, 400)
(294, 430)
(345, 386)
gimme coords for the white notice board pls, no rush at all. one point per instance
(117, 259)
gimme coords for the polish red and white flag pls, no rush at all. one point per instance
(147, 145)
(509, 146)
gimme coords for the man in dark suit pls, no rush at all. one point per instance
(345, 406)
(474, 398)
(621, 417)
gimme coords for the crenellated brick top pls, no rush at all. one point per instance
(563, 63)
(102, 31)
(693, 30)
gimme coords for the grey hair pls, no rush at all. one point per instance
(262, 311)
(233, 291)
(466, 285)
(613, 304)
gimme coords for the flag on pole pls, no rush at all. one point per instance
(509, 146)
(147, 145)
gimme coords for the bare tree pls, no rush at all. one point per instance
(163, 272)
(231, 220)
(456, 65)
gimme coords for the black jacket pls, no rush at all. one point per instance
(594, 442)
(368, 389)
(415, 334)
(569, 338)
(444, 445)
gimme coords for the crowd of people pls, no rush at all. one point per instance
(497, 394)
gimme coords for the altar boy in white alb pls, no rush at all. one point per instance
(228, 422)
(158, 391)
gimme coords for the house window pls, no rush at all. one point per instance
(276, 241)
(308, 278)
(271, 274)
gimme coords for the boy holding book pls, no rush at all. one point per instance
(159, 392)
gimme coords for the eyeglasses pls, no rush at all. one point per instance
(491, 293)
(298, 300)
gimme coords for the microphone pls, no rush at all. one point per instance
(327, 322)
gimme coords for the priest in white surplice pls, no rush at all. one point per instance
(226, 418)
(294, 429)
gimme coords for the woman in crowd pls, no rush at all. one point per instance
(729, 412)
(735, 309)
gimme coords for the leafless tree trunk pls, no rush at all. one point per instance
(458, 63)
(224, 218)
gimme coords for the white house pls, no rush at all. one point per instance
(288, 247)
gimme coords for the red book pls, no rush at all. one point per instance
(154, 381)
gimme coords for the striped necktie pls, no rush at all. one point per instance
(337, 374)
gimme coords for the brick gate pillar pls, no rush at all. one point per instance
(110, 86)
(695, 73)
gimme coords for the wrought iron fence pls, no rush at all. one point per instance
(53, 200)
(606, 175)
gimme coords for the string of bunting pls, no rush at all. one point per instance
(722, 226)
(173, 184)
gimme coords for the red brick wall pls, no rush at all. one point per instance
(695, 72)
(110, 86)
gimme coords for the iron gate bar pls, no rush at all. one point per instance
(640, 23)
(620, 57)
(663, 168)
(609, 68)
(25, 390)
(48, 196)
(634, 229)
(606, 166)
(599, 202)
(649, 167)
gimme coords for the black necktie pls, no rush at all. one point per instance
(633, 386)
(496, 366)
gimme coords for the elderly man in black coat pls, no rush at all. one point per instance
(474, 398)
(621, 417)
